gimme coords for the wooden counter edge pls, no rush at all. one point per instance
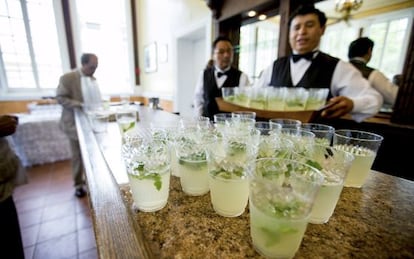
(117, 234)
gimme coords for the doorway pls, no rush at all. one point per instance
(193, 52)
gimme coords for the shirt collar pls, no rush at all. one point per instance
(359, 59)
(217, 69)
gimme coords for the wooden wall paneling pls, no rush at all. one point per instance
(403, 111)
(231, 29)
(69, 34)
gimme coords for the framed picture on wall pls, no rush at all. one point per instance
(150, 58)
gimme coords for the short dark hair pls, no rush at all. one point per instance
(220, 38)
(85, 58)
(360, 47)
(308, 9)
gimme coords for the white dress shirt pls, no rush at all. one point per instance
(346, 81)
(91, 94)
(382, 84)
(199, 89)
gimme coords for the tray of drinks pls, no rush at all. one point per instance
(303, 116)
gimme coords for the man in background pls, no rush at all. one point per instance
(11, 245)
(309, 67)
(360, 53)
(216, 76)
(78, 90)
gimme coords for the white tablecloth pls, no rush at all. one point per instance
(39, 140)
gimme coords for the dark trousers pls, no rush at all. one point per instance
(11, 245)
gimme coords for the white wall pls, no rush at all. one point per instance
(159, 21)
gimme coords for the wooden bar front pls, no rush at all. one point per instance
(375, 221)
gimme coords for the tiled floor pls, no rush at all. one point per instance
(54, 222)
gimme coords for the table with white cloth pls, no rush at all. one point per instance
(38, 138)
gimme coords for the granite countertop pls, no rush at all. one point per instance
(374, 221)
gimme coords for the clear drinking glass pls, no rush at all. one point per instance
(244, 114)
(126, 118)
(276, 98)
(296, 99)
(323, 133)
(148, 168)
(228, 161)
(364, 146)
(303, 140)
(191, 150)
(317, 98)
(286, 123)
(334, 164)
(282, 193)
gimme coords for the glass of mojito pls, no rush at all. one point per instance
(334, 164)
(126, 118)
(276, 98)
(148, 166)
(227, 162)
(282, 193)
(296, 99)
(303, 140)
(323, 133)
(317, 98)
(191, 152)
(364, 146)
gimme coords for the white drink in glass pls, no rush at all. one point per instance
(150, 192)
(314, 104)
(361, 166)
(257, 103)
(322, 141)
(193, 176)
(325, 202)
(273, 236)
(126, 124)
(228, 196)
(275, 104)
(294, 105)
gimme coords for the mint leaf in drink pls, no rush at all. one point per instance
(157, 181)
(130, 126)
(195, 160)
(286, 209)
(140, 175)
(314, 164)
(236, 148)
(273, 236)
(235, 173)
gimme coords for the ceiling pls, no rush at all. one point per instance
(368, 8)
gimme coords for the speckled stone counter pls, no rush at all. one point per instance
(376, 221)
(373, 222)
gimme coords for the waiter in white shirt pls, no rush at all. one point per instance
(213, 78)
(359, 54)
(308, 67)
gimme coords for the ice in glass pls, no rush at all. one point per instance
(282, 193)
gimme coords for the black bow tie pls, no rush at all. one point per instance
(297, 57)
(220, 74)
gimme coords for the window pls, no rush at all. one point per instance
(389, 38)
(390, 33)
(33, 44)
(30, 54)
(103, 28)
(258, 46)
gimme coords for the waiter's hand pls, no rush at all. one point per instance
(337, 107)
(8, 125)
